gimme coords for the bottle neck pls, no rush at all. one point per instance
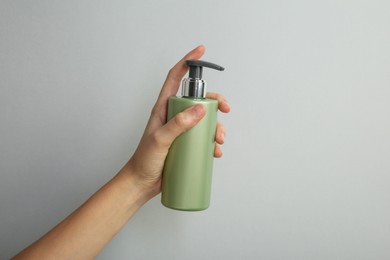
(194, 88)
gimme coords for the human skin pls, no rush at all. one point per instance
(85, 232)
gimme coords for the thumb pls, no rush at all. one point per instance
(180, 123)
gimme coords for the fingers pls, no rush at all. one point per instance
(184, 121)
(175, 75)
(179, 124)
(220, 133)
(217, 151)
(223, 105)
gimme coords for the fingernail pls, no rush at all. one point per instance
(198, 111)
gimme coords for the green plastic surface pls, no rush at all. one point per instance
(187, 174)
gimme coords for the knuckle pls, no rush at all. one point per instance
(158, 112)
(223, 129)
(221, 97)
(171, 74)
(157, 139)
(180, 120)
(220, 127)
(154, 111)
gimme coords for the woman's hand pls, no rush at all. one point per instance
(84, 233)
(147, 163)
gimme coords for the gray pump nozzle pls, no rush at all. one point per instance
(194, 86)
(196, 67)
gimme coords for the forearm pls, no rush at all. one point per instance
(84, 233)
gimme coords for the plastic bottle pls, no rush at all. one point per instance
(187, 174)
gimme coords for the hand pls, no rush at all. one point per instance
(147, 163)
(84, 233)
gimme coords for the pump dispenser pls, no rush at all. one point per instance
(195, 86)
(187, 174)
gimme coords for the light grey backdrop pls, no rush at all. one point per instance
(305, 172)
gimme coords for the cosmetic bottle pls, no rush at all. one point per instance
(187, 174)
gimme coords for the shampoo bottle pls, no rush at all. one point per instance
(186, 183)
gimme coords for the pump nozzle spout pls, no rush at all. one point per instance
(196, 67)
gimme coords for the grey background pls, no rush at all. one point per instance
(305, 172)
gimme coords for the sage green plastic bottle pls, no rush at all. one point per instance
(187, 174)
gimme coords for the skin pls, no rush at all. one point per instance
(84, 233)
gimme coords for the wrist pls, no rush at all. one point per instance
(137, 186)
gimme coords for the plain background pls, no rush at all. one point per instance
(306, 166)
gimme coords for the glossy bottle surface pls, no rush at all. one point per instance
(187, 174)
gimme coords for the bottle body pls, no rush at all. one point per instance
(187, 174)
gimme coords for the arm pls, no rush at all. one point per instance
(85, 232)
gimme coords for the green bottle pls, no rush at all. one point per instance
(186, 182)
